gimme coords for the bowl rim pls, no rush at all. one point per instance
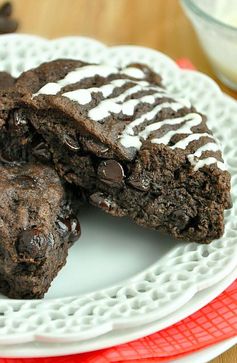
(191, 5)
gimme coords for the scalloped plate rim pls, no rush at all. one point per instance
(107, 342)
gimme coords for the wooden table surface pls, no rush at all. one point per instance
(159, 24)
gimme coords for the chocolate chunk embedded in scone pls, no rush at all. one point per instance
(136, 149)
(111, 172)
(38, 224)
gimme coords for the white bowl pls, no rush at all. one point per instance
(216, 25)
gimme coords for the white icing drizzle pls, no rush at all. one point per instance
(182, 144)
(76, 76)
(211, 146)
(129, 130)
(87, 71)
(209, 161)
(49, 89)
(184, 102)
(128, 139)
(190, 120)
(134, 72)
(131, 141)
(199, 163)
(127, 106)
(84, 96)
(115, 105)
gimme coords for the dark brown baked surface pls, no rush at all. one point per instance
(6, 80)
(136, 150)
(126, 172)
(7, 83)
(38, 224)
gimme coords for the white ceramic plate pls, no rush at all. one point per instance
(46, 349)
(120, 276)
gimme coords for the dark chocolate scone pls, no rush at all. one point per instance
(15, 134)
(19, 142)
(6, 80)
(38, 224)
(134, 148)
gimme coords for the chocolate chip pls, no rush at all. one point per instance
(8, 25)
(69, 228)
(71, 143)
(180, 219)
(6, 9)
(111, 172)
(142, 183)
(32, 244)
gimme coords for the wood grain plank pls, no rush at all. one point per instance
(153, 23)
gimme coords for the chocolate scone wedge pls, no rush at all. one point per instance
(15, 135)
(6, 83)
(136, 149)
(38, 224)
(6, 80)
(19, 141)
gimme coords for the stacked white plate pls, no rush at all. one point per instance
(122, 282)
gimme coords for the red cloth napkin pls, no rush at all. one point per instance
(185, 63)
(212, 324)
